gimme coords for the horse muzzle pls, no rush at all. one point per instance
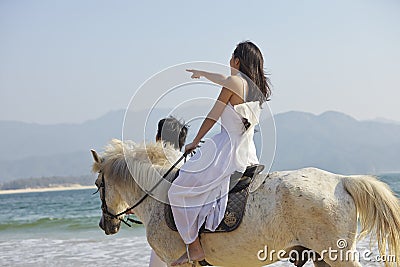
(109, 225)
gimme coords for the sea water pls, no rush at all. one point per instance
(61, 228)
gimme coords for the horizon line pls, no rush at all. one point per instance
(379, 119)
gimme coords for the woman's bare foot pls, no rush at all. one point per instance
(195, 251)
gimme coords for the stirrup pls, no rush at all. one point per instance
(188, 256)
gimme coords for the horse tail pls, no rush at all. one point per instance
(378, 210)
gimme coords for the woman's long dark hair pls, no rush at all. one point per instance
(252, 65)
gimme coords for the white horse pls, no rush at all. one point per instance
(289, 211)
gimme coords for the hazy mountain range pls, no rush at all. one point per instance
(332, 141)
(336, 142)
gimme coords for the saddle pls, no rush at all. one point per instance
(237, 199)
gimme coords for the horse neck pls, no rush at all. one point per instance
(131, 194)
(133, 177)
(132, 190)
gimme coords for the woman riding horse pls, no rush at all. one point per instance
(199, 194)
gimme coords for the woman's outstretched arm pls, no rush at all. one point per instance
(211, 119)
(230, 85)
(217, 78)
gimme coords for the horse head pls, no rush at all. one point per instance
(120, 192)
(112, 202)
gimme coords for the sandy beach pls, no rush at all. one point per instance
(46, 189)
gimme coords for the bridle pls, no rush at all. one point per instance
(104, 207)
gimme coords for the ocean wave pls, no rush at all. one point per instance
(78, 223)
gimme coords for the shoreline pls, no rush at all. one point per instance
(46, 189)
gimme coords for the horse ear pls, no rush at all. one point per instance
(95, 156)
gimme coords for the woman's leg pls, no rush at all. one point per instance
(155, 261)
(195, 253)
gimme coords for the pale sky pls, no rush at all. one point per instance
(70, 61)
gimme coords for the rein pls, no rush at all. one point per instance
(104, 207)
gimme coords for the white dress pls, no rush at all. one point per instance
(200, 192)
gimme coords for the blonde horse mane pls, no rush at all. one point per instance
(124, 160)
